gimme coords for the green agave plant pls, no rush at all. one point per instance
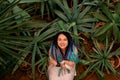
(76, 15)
(9, 46)
(43, 8)
(20, 36)
(99, 60)
(112, 23)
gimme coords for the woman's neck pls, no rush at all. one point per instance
(63, 51)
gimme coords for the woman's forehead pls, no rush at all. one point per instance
(61, 36)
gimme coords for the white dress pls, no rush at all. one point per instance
(53, 73)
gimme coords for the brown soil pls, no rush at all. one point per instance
(92, 76)
(23, 75)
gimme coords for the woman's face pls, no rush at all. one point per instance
(62, 41)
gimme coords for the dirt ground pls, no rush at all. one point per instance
(23, 75)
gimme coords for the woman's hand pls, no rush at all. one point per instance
(70, 63)
(63, 66)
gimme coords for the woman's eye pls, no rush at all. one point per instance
(59, 39)
(65, 39)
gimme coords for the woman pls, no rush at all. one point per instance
(63, 57)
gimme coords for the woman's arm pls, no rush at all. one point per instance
(51, 60)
